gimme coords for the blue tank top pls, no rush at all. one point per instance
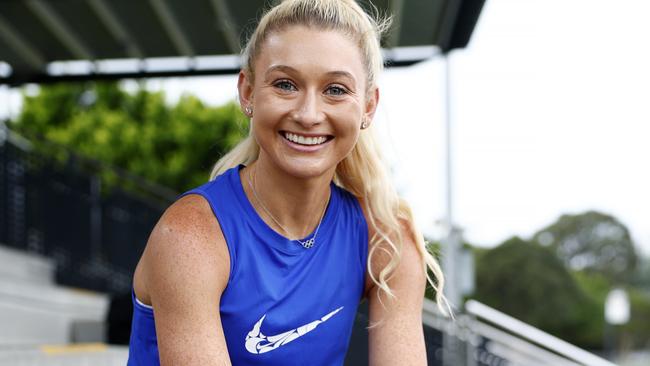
(283, 304)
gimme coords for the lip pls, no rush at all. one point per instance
(306, 148)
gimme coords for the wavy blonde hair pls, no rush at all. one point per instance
(362, 172)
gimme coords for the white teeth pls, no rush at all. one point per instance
(302, 140)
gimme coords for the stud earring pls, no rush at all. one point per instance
(364, 124)
(249, 111)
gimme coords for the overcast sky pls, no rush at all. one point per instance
(551, 115)
(550, 111)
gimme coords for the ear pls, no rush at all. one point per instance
(245, 89)
(371, 105)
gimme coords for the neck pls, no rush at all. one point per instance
(298, 204)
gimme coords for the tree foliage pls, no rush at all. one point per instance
(528, 282)
(559, 280)
(636, 333)
(593, 242)
(171, 145)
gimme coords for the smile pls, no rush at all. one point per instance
(304, 140)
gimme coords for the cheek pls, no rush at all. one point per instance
(349, 119)
(350, 131)
(267, 115)
(353, 128)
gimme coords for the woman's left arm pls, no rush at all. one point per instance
(398, 339)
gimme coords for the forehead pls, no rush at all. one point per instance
(311, 50)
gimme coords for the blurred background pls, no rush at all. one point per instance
(517, 129)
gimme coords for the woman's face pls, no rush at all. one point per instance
(308, 99)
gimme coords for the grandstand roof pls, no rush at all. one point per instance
(61, 40)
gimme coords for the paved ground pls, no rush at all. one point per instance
(89, 354)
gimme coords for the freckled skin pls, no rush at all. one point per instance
(182, 273)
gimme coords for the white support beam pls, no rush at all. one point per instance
(22, 47)
(170, 24)
(226, 24)
(116, 27)
(57, 26)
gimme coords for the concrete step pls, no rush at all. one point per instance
(33, 313)
(25, 267)
(88, 354)
(16, 265)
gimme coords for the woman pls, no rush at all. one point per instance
(266, 263)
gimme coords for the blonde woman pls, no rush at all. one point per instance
(267, 263)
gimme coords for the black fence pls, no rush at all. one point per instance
(52, 203)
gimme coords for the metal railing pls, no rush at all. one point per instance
(58, 208)
(487, 337)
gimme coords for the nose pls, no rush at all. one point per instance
(308, 111)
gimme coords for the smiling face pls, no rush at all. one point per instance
(308, 100)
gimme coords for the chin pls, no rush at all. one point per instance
(308, 169)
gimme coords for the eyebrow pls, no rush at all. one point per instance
(289, 69)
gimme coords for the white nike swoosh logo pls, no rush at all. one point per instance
(256, 342)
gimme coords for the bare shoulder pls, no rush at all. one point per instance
(182, 274)
(185, 248)
(395, 336)
(410, 270)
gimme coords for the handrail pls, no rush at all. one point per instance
(533, 334)
(517, 350)
(168, 195)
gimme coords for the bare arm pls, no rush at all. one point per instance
(398, 339)
(183, 272)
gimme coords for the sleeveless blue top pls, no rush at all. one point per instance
(283, 304)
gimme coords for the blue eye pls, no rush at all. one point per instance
(336, 90)
(285, 85)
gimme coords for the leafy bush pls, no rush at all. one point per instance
(174, 146)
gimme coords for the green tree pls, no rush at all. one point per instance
(593, 242)
(174, 146)
(528, 282)
(641, 279)
(636, 333)
(590, 320)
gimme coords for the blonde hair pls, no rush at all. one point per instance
(362, 172)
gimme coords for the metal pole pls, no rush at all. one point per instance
(450, 247)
